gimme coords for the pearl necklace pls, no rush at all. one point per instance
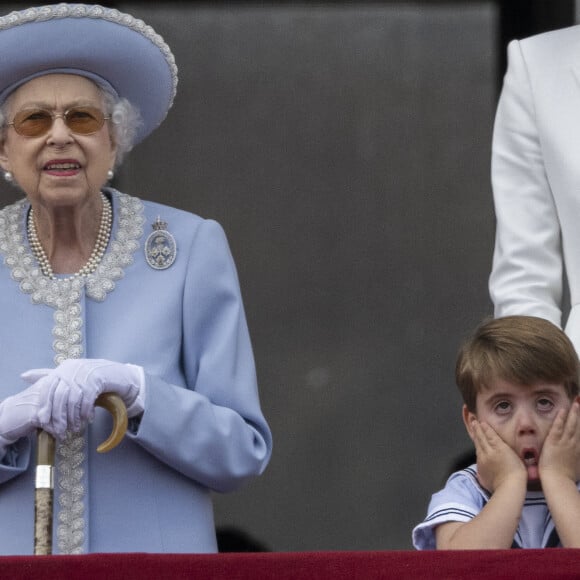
(97, 254)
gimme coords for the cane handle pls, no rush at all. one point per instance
(114, 404)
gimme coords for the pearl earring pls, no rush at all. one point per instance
(110, 174)
(8, 176)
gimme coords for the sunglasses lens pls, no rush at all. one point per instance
(84, 120)
(80, 120)
(32, 123)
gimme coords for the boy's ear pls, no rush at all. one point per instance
(468, 417)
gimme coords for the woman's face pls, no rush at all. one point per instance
(59, 168)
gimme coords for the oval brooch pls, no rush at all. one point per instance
(160, 246)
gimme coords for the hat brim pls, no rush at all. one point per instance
(136, 67)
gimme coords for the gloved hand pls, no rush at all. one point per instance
(38, 406)
(85, 379)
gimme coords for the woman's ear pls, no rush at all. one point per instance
(4, 163)
(468, 418)
(113, 154)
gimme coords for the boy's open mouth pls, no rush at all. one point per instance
(530, 457)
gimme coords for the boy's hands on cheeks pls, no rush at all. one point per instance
(503, 474)
(497, 462)
(558, 467)
(560, 456)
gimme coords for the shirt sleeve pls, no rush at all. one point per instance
(459, 501)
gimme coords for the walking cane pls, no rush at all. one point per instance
(44, 487)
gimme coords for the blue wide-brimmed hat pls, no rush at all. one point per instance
(112, 48)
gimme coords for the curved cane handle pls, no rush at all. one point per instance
(114, 404)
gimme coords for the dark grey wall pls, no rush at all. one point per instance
(345, 149)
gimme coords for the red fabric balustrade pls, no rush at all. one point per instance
(399, 565)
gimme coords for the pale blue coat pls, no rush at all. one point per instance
(202, 428)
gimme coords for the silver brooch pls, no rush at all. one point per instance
(160, 247)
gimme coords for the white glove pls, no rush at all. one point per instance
(39, 406)
(85, 379)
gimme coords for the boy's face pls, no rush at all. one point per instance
(521, 415)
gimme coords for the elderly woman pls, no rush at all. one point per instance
(101, 291)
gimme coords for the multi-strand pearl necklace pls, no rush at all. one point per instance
(97, 254)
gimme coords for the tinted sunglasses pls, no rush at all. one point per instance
(37, 122)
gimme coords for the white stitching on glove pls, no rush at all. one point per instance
(39, 406)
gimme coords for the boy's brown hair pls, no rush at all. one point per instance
(520, 349)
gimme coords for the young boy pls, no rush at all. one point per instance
(519, 378)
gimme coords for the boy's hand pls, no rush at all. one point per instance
(496, 461)
(561, 451)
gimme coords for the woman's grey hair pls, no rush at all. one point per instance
(125, 121)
